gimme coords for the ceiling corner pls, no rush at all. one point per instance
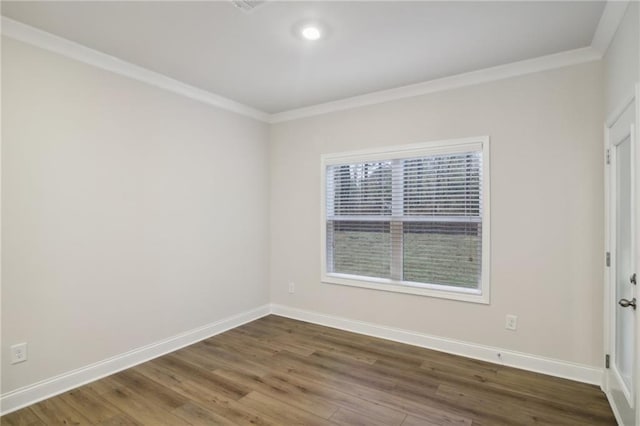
(609, 22)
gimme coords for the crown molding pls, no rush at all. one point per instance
(529, 66)
(610, 20)
(73, 50)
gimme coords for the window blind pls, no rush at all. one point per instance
(416, 220)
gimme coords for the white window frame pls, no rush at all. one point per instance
(479, 295)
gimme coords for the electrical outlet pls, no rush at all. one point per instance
(292, 287)
(511, 322)
(18, 353)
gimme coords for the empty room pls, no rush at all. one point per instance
(262, 212)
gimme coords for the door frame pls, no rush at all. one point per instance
(633, 98)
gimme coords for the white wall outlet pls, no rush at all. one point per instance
(511, 322)
(292, 287)
(18, 353)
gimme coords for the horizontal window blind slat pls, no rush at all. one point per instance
(373, 218)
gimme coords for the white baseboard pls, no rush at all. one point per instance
(538, 364)
(31, 394)
(614, 408)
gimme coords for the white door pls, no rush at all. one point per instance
(622, 288)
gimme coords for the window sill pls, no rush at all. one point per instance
(429, 290)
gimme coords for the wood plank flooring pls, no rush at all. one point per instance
(277, 371)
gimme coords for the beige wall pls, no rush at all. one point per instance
(129, 214)
(546, 211)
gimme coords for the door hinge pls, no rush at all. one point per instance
(608, 156)
(607, 259)
(607, 361)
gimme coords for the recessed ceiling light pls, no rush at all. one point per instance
(311, 32)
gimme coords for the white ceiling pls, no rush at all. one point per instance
(256, 59)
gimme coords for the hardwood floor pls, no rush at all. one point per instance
(277, 371)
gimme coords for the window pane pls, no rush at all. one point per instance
(359, 248)
(411, 218)
(362, 189)
(447, 253)
(443, 185)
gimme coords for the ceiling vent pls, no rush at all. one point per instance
(247, 5)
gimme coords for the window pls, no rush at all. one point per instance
(413, 219)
